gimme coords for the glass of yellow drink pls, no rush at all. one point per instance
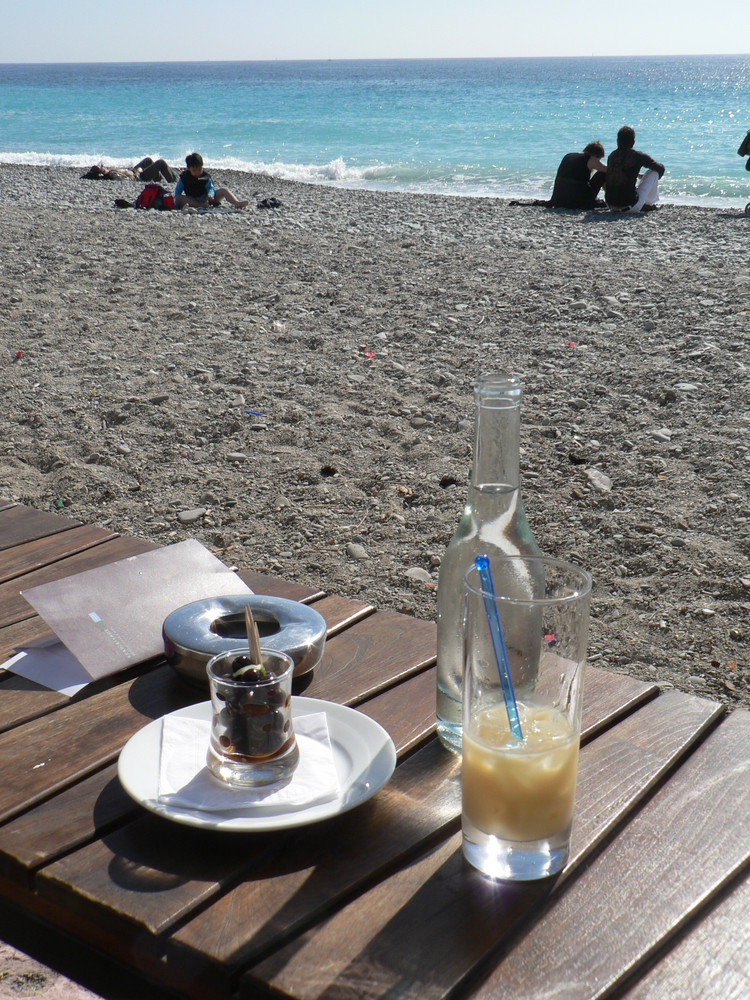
(518, 781)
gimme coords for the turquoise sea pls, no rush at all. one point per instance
(488, 127)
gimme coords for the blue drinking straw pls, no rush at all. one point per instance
(482, 564)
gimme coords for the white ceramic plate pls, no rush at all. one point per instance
(363, 752)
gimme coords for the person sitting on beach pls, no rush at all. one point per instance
(744, 149)
(580, 178)
(623, 166)
(196, 189)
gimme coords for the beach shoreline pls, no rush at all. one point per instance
(292, 387)
(286, 174)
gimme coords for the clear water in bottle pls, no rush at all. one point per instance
(494, 523)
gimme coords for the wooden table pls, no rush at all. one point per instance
(655, 901)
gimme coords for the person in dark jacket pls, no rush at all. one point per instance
(196, 189)
(580, 178)
(623, 191)
(744, 149)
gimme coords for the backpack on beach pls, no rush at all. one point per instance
(155, 196)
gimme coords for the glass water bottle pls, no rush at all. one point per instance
(494, 523)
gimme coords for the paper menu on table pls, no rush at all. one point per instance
(111, 617)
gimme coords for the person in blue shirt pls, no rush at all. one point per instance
(196, 189)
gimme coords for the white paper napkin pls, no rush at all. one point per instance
(184, 778)
(52, 665)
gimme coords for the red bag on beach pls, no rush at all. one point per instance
(155, 196)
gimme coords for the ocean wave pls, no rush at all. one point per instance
(334, 171)
(33, 159)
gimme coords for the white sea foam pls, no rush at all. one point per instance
(33, 159)
(336, 171)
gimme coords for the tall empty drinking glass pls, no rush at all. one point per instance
(518, 793)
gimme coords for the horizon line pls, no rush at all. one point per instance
(361, 59)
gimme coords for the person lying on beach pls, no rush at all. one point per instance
(196, 189)
(580, 178)
(101, 173)
(154, 170)
(623, 167)
(145, 170)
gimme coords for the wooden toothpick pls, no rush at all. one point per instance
(253, 639)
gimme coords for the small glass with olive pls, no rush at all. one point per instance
(252, 741)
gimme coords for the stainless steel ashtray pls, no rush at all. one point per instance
(195, 632)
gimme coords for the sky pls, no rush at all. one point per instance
(189, 30)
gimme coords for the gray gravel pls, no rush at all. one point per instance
(293, 388)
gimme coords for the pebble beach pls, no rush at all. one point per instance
(293, 387)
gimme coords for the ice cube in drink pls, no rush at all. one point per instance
(518, 797)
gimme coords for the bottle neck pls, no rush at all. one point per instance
(496, 446)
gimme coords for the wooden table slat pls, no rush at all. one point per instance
(23, 559)
(392, 935)
(374, 654)
(97, 942)
(21, 701)
(50, 753)
(642, 749)
(74, 966)
(276, 586)
(340, 613)
(713, 954)
(15, 637)
(440, 905)
(20, 524)
(689, 853)
(406, 712)
(63, 823)
(608, 696)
